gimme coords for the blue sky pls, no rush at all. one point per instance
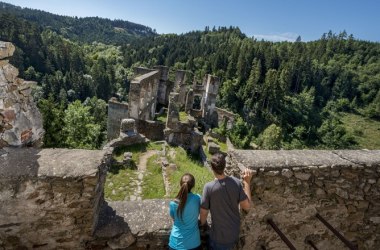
(269, 19)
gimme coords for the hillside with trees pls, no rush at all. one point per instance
(84, 30)
(287, 94)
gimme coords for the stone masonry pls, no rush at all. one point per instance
(212, 87)
(151, 90)
(20, 120)
(117, 111)
(291, 187)
(40, 189)
(143, 96)
(50, 198)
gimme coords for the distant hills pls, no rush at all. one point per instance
(85, 30)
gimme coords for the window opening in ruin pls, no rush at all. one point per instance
(197, 102)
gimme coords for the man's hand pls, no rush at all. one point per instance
(247, 175)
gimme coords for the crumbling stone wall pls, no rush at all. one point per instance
(181, 86)
(292, 186)
(212, 87)
(50, 198)
(20, 120)
(143, 96)
(165, 86)
(153, 130)
(225, 116)
(117, 111)
(181, 133)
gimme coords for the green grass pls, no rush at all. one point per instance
(153, 183)
(188, 164)
(136, 150)
(208, 155)
(119, 185)
(365, 131)
(183, 117)
(162, 118)
(120, 182)
(223, 146)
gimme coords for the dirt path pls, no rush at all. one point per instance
(141, 167)
(144, 159)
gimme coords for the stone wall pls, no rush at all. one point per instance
(212, 87)
(143, 96)
(224, 115)
(20, 120)
(291, 187)
(117, 111)
(181, 85)
(53, 199)
(165, 86)
(50, 198)
(153, 130)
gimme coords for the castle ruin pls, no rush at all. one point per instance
(152, 93)
(54, 198)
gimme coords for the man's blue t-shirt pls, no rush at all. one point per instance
(185, 231)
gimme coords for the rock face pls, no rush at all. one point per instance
(20, 120)
(291, 187)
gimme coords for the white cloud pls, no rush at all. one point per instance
(288, 36)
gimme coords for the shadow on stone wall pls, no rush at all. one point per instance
(112, 230)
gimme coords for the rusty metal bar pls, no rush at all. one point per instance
(282, 236)
(311, 244)
(341, 237)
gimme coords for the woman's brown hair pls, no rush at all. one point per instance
(187, 183)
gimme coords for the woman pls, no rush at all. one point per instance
(185, 211)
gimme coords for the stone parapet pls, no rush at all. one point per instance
(50, 198)
(291, 187)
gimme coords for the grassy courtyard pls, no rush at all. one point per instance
(122, 182)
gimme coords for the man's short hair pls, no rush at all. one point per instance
(218, 163)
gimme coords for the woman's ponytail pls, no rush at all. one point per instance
(187, 183)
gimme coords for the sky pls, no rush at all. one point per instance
(274, 20)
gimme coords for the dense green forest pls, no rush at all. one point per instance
(85, 30)
(287, 94)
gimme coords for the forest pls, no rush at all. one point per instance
(288, 95)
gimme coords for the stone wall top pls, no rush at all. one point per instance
(303, 158)
(146, 216)
(64, 163)
(147, 75)
(115, 102)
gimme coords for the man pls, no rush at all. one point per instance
(222, 198)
